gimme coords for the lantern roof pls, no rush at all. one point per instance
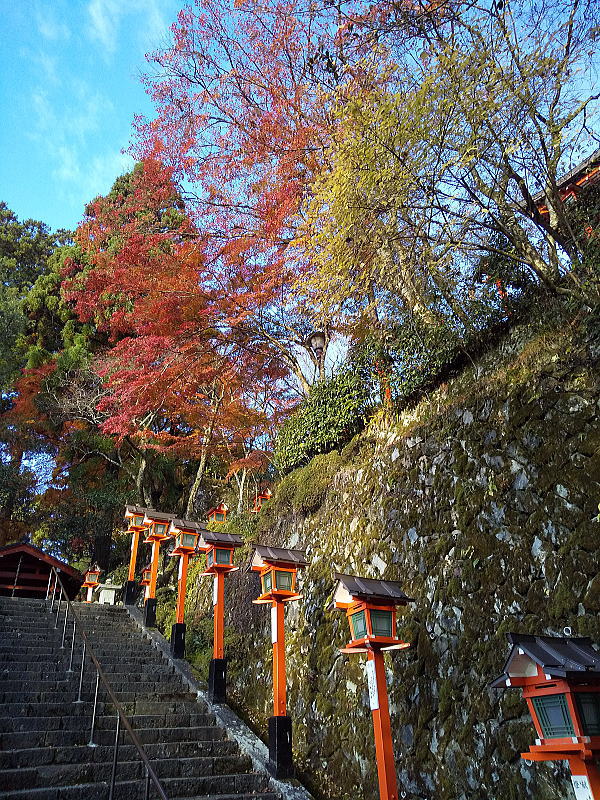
(187, 525)
(212, 538)
(157, 516)
(558, 656)
(350, 587)
(278, 556)
(220, 507)
(131, 511)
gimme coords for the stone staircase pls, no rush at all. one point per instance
(44, 735)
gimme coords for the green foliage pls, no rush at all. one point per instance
(334, 411)
(17, 500)
(304, 489)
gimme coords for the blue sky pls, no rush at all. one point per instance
(69, 88)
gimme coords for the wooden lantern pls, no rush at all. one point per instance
(92, 577)
(560, 680)
(187, 536)
(219, 548)
(218, 514)
(91, 580)
(135, 516)
(278, 569)
(157, 525)
(146, 575)
(265, 494)
(370, 607)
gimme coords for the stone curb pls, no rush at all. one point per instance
(248, 742)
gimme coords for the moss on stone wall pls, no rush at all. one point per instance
(482, 501)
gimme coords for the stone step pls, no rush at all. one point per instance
(118, 683)
(56, 738)
(34, 708)
(76, 754)
(189, 786)
(66, 774)
(124, 791)
(104, 722)
(69, 695)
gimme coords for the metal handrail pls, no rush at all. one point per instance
(150, 775)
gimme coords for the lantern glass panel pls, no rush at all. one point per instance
(223, 556)
(160, 528)
(588, 705)
(146, 575)
(553, 713)
(381, 623)
(188, 540)
(283, 581)
(210, 558)
(359, 625)
(220, 517)
(92, 577)
(138, 521)
(267, 582)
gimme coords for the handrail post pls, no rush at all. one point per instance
(48, 587)
(147, 792)
(53, 591)
(115, 758)
(79, 700)
(58, 606)
(62, 644)
(91, 741)
(72, 648)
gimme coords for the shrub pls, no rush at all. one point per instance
(331, 415)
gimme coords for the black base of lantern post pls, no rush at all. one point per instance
(130, 591)
(178, 640)
(217, 680)
(150, 612)
(280, 747)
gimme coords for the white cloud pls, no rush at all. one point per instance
(106, 16)
(104, 19)
(48, 26)
(63, 134)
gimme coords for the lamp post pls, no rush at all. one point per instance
(316, 342)
(135, 517)
(560, 680)
(157, 524)
(186, 534)
(278, 568)
(91, 580)
(219, 549)
(370, 607)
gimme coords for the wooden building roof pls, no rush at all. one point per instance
(24, 571)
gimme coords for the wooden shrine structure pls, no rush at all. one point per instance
(25, 572)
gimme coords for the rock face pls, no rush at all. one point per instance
(482, 502)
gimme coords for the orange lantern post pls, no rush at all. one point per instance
(278, 569)
(219, 549)
(134, 515)
(186, 534)
(370, 607)
(157, 525)
(91, 580)
(560, 680)
(218, 514)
